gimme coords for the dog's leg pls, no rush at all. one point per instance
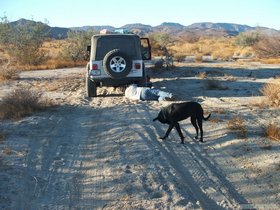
(199, 121)
(193, 121)
(168, 131)
(177, 126)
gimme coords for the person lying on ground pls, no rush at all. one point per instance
(134, 92)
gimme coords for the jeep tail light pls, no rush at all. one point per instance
(94, 66)
(137, 65)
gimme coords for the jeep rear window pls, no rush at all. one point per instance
(107, 43)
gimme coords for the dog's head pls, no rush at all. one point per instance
(161, 117)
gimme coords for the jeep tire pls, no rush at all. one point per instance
(116, 64)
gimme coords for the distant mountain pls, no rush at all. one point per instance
(174, 29)
(169, 27)
(139, 28)
(54, 32)
(221, 26)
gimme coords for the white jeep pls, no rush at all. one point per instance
(116, 60)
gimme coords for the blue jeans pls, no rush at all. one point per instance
(151, 94)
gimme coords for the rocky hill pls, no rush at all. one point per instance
(175, 29)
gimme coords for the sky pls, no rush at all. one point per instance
(73, 13)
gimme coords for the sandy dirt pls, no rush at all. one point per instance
(105, 152)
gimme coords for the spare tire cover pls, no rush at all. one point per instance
(117, 64)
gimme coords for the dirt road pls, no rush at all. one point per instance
(104, 153)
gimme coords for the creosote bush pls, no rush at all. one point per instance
(273, 132)
(6, 72)
(22, 102)
(237, 124)
(272, 92)
(267, 47)
(23, 42)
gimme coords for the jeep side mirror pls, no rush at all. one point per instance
(146, 49)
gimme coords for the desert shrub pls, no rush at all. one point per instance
(272, 91)
(237, 124)
(21, 102)
(247, 39)
(24, 41)
(272, 131)
(202, 75)
(7, 72)
(198, 58)
(179, 57)
(77, 45)
(268, 46)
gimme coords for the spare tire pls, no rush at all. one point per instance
(117, 64)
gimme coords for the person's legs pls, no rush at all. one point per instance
(149, 95)
(161, 94)
(152, 94)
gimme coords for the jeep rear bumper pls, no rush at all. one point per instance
(108, 82)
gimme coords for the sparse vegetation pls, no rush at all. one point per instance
(218, 48)
(237, 124)
(78, 41)
(247, 39)
(267, 47)
(272, 92)
(23, 43)
(22, 102)
(7, 72)
(202, 75)
(273, 132)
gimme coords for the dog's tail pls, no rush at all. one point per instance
(206, 118)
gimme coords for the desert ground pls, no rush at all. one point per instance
(105, 152)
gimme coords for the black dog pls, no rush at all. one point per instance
(176, 112)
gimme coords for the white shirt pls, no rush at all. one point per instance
(133, 92)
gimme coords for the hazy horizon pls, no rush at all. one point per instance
(118, 13)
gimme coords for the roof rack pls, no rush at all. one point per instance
(116, 31)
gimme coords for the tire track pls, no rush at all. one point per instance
(200, 177)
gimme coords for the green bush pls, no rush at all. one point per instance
(78, 42)
(247, 39)
(23, 42)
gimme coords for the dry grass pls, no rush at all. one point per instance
(218, 48)
(6, 72)
(237, 124)
(7, 151)
(270, 60)
(22, 102)
(215, 120)
(54, 60)
(219, 111)
(202, 75)
(273, 132)
(54, 63)
(272, 92)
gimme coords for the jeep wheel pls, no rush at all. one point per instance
(90, 87)
(116, 64)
